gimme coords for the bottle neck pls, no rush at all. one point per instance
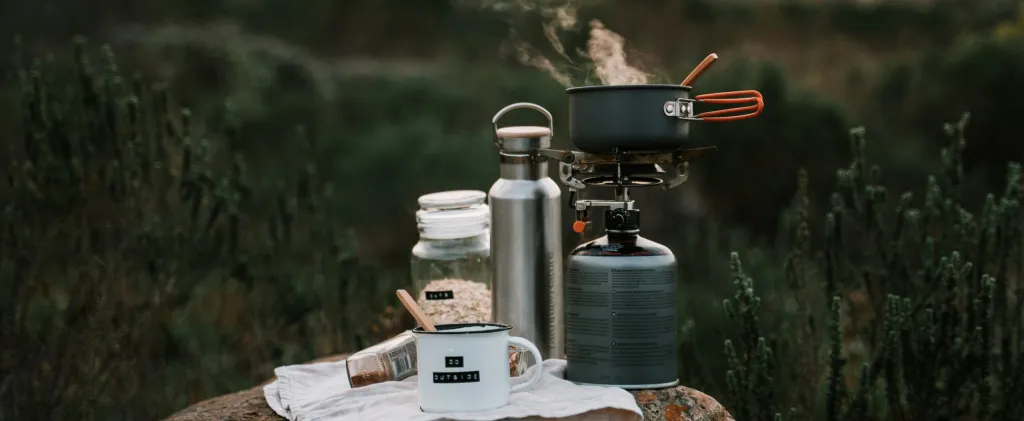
(520, 167)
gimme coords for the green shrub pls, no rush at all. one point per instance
(141, 268)
(924, 315)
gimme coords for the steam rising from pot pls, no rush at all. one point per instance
(529, 56)
(605, 48)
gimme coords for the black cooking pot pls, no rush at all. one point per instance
(645, 118)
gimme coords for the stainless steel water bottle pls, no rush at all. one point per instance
(526, 242)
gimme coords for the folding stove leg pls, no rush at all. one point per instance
(565, 173)
(682, 174)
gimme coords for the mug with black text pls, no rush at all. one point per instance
(464, 367)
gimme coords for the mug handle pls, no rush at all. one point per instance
(515, 340)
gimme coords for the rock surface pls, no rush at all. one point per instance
(678, 403)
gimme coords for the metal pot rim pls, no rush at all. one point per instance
(659, 86)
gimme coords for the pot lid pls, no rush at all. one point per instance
(523, 138)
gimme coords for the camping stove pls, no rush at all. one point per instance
(620, 290)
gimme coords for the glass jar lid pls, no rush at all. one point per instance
(453, 214)
(452, 199)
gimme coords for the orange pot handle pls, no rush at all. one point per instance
(751, 97)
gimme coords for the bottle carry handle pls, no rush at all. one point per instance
(518, 105)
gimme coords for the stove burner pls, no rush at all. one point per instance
(621, 171)
(625, 169)
(578, 170)
(627, 181)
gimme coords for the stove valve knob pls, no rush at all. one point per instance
(617, 220)
(579, 226)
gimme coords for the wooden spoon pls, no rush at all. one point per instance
(415, 310)
(699, 69)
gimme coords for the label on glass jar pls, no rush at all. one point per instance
(439, 295)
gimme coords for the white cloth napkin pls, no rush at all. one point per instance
(321, 392)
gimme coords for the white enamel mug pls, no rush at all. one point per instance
(464, 367)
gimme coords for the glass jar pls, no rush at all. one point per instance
(451, 263)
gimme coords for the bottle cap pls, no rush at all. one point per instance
(521, 139)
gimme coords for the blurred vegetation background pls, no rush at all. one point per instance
(235, 191)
